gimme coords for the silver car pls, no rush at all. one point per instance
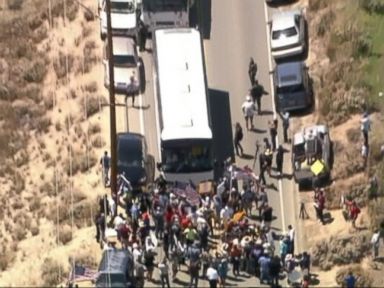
(288, 34)
(126, 66)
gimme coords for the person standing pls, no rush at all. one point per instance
(248, 109)
(274, 270)
(212, 276)
(365, 127)
(223, 271)
(164, 273)
(105, 163)
(273, 132)
(142, 35)
(252, 71)
(257, 91)
(263, 166)
(279, 160)
(286, 121)
(364, 154)
(354, 212)
(194, 268)
(291, 234)
(100, 227)
(375, 242)
(238, 137)
(235, 257)
(264, 263)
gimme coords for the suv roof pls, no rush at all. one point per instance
(123, 46)
(289, 73)
(135, 138)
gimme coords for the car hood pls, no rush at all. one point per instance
(123, 21)
(292, 101)
(282, 42)
(132, 173)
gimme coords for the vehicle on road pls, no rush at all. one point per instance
(293, 87)
(311, 155)
(123, 18)
(115, 269)
(183, 115)
(133, 160)
(165, 13)
(288, 34)
(126, 64)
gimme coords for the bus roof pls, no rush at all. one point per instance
(182, 89)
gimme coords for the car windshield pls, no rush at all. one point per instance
(129, 156)
(165, 5)
(289, 32)
(290, 89)
(183, 156)
(122, 7)
(299, 151)
(124, 60)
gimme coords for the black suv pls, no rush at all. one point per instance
(293, 89)
(134, 161)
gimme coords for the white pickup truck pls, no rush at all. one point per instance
(123, 18)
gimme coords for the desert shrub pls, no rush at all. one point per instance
(94, 128)
(21, 159)
(49, 100)
(36, 72)
(91, 87)
(91, 105)
(88, 15)
(98, 142)
(86, 31)
(43, 124)
(361, 45)
(85, 259)
(325, 23)
(51, 272)
(353, 135)
(20, 233)
(15, 4)
(7, 256)
(18, 184)
(35, 230)
(34, 204)
(72, 9)
(17, 204)
(65, 234)
(35, 22)
(78, 131)
(80, 162)
(315, 5)
(372, 6)
(33, 92)
(47, 188)
(40, 34)
(60, 64)
(69, 118)
(89, 55)
(58, 125)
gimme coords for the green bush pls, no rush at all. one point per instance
(372, 6)
(51, 272)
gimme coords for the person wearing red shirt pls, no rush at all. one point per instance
(235, 257)
(354, 212)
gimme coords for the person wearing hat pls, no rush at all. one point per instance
(248, 109)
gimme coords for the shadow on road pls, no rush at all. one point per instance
(201, 16)
(221, 128)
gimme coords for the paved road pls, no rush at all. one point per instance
(236, 32)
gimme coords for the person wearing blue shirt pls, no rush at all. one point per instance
(350, 280)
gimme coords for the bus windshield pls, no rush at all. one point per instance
(187, 156)
(165, 5)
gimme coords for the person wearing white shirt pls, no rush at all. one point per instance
(249, 110)
(375, 241)
(291, 234)
(212, 276)
(136, 252)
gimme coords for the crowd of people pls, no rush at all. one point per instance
(228, 229)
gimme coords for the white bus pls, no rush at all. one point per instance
(185, 140)
(160, 13)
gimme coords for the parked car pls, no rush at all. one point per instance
(288, 34)
(311, 155)
(126, 66)
(133, 160)
(293, 87)
(123, 18)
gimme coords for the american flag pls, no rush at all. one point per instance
(81, 273)
(244, 173)
(188, 192)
